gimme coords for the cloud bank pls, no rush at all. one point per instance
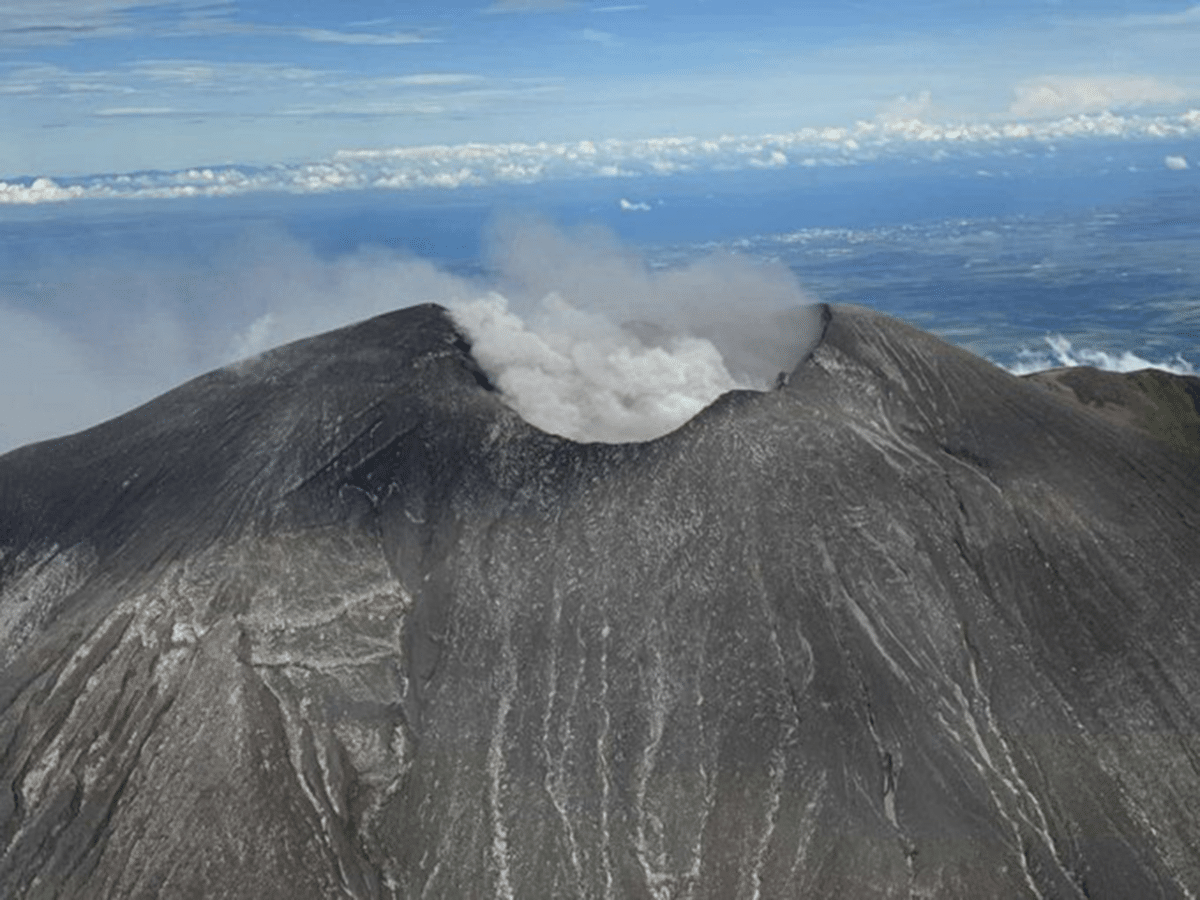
(465, 165)
(582, 338)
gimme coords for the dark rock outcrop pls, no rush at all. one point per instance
(337, 622)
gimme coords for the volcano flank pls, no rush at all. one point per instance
(337, 622)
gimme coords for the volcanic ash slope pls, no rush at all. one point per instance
(336, 622)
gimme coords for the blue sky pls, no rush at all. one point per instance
(110, 86)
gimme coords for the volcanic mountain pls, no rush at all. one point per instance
(337, 622)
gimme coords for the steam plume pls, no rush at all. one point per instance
(609, 350)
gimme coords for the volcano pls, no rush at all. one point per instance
(336, 622)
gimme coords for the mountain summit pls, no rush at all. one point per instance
(336, 622)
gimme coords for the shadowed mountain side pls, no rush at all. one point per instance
(1165, 406)
(337, 622)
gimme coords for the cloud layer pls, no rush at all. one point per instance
(453, 166)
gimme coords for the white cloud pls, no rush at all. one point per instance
(324, 36)
(232, 89)
(431, 79)
(1185, 18)
(905, 107)
(1064, 354)
(45, 81)
(598, 37)
(530, 6)
(366, 109)
(224, 75)
(1178, 163)
(42, 190)
(138, 111)
(220, 27)
(181, 70)
(57, 22)
(1064, 95)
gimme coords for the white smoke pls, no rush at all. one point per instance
(578, 374)
(580, 335)
(586, 341)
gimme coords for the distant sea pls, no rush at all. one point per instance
(1083, 254)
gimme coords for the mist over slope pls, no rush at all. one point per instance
(577, 329)
(339, 622)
